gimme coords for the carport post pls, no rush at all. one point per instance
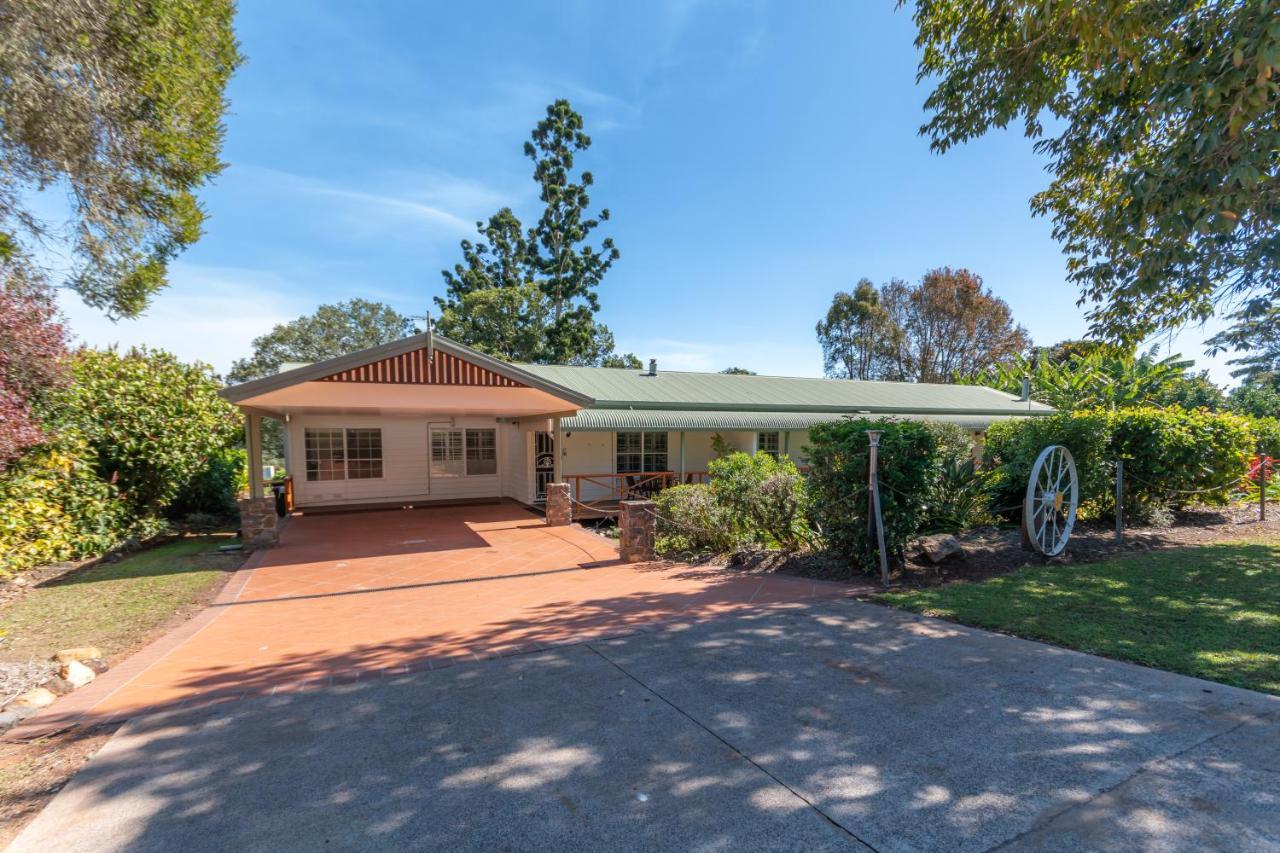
(558, 446)
(253, 448)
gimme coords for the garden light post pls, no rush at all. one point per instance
(874, 488)
(1119, 500)
(1263, 459)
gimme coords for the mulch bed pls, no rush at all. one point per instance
(993, 551)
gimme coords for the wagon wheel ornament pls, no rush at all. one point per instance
(1053, 495)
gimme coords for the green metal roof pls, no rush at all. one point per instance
(611, 420)
(615, 388)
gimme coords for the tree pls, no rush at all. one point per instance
(529, 294)
(120, 103)
(1257, 397)
(629, 361)
(1101, 377)
(32, 356)
(332, 331)
(1257, 332)
(738, 371)
(856, 334)
(1165, 128)
(150, 421)
(948, 326)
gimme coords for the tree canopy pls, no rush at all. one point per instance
(332, 331)
(121, 104)
(32, 363)
(1161, 122)
(737, 371)
(529, 294)
(947, 326)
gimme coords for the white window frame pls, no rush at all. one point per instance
(776, 450)
(464, 452)
(344, 449)
(644, 451)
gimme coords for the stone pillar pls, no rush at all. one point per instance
(258, 522)
(559, 508)
(637, 530)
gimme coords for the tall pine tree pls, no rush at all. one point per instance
(529, 294)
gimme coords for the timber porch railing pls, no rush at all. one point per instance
(603, 491)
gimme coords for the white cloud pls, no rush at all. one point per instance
(209, 314)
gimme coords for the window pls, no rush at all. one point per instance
(767, 442)
(464, 452)
(641, 452)
(343, 454)
(446, 453)
(364, 454)
(324, 454)
(482, 452)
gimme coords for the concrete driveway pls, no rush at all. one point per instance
(828, 724)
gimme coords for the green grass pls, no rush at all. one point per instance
(1211, 611)
(113, 606)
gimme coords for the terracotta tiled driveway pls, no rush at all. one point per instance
(362, 595)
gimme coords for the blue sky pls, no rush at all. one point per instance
(756, 157)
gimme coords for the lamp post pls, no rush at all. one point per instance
(875, 516)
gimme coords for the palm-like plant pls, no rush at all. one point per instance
(1097, 378)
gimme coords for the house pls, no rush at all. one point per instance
(420, 421)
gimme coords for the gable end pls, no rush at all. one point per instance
(415, 368)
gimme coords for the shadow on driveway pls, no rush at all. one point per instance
(829, 725)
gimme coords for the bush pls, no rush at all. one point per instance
(151, 421)
(54, 507)
(1266, 435)
(691, 520)
(767, 498)
(838, 484)
(961, 497)
(212, 491)
(954, 442)
(1012, 448)
(1174, 456)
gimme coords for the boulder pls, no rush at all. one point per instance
(77, 673)
(81, 653)
(58, 685)
(9, 719)
(98, 665)
(36, 697)
(938, 547)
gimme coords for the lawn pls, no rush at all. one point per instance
(114, 606)
(1212, 611)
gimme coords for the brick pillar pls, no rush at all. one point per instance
(559, 508)
(258, 522)
(637, 530)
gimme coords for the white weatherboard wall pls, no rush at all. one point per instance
(405, 462)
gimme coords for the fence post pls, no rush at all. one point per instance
(1262, 483)
(559, 509)
(1119, 500)
(876, 517)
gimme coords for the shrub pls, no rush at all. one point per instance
(764, 496)
(1174, 456)
(151, 421)
(1012, 448)
(212, 491)
(1266, 435)
(838, 484)
(53, 507)
(961, 496)
(954, 442)
(690, 519)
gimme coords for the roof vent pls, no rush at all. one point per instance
(653, 367)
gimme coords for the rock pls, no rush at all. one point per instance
(58, 685)
(81, 653)
(939, 546)
(9, 719)
(98, 665)
(77, 673)
(36, 697)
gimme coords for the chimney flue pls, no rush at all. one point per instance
(653, 367)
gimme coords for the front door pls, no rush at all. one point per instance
(544, 463)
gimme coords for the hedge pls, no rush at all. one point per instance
(1172, 456)
(838, 459)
